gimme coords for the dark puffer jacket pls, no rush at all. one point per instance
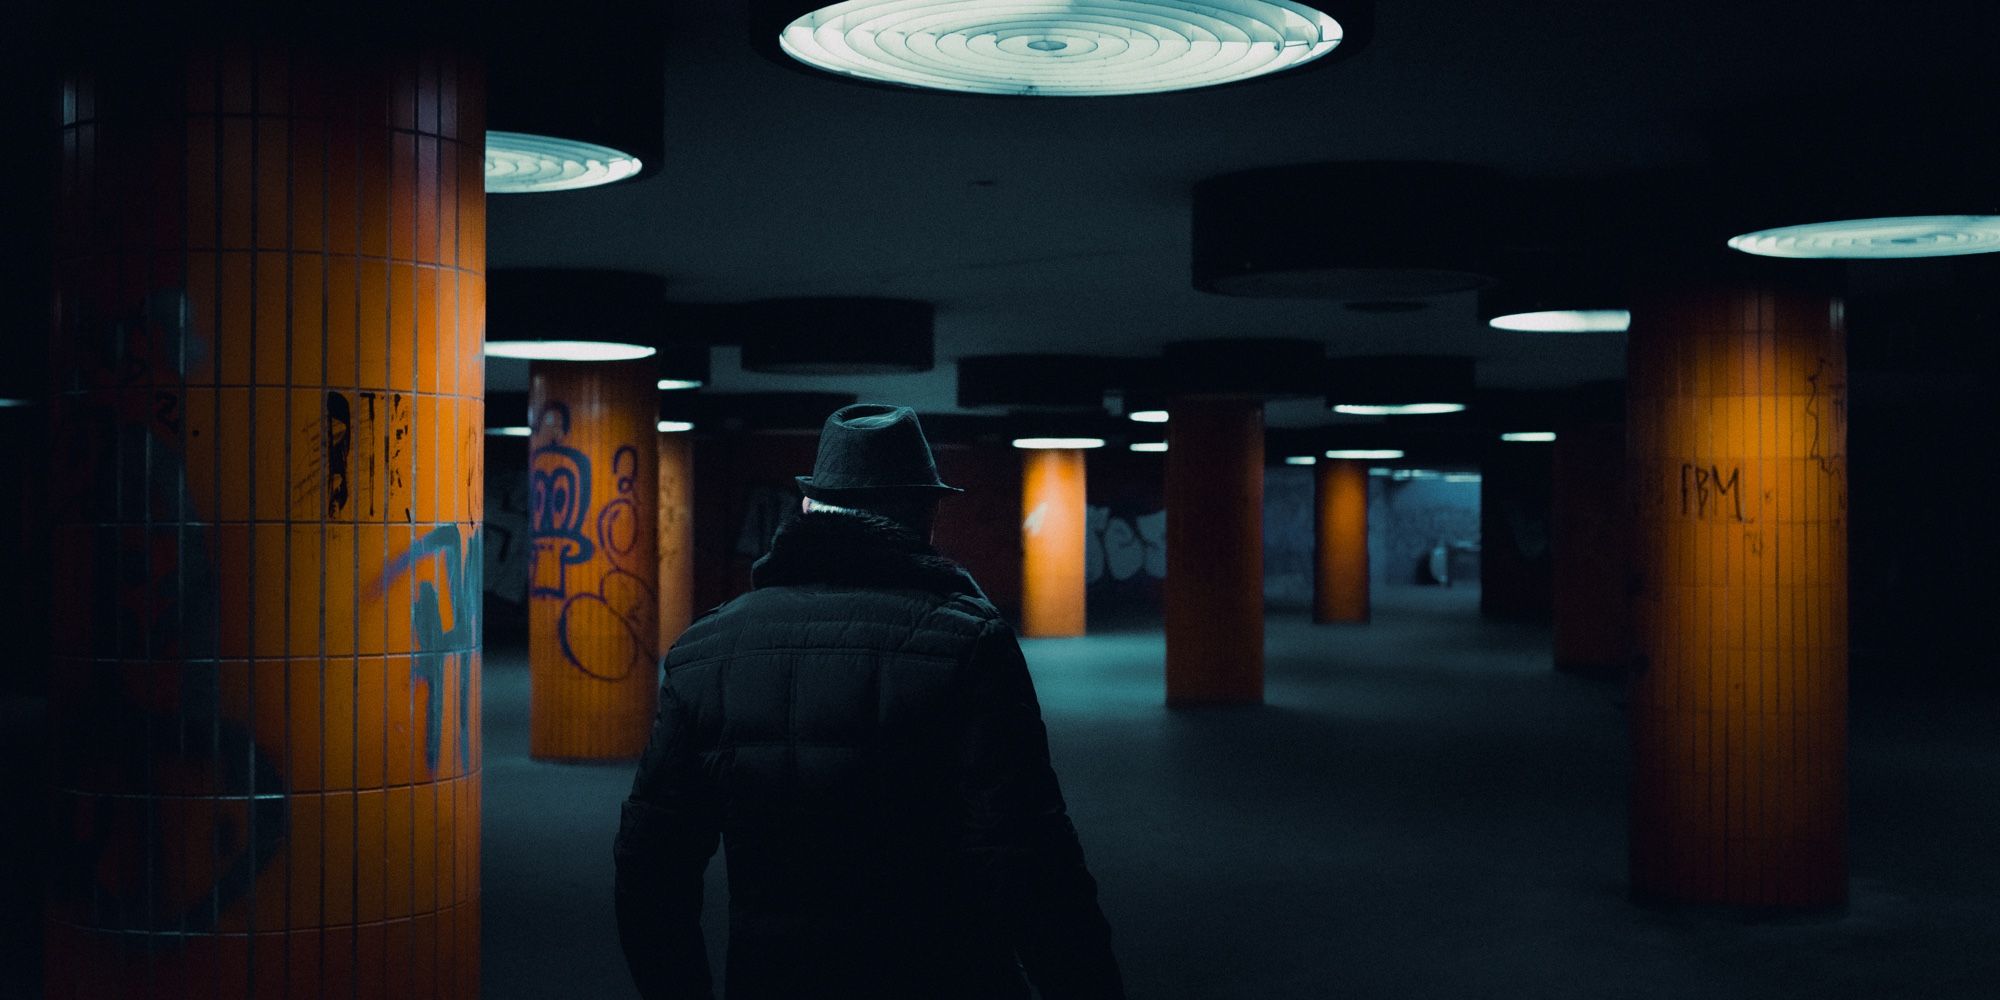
(861, 732)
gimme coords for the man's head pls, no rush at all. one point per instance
(874, 457)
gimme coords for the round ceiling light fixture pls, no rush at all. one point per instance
(1148, 416)
(1149, 446)
(1398, 385)
(1301, 460)
(562, 314)
(1059, 48)
(567, 350)
(520, 163)
(674, 426)
(1528, 437)
(1043, 443)
(678, 384)
(1564, 321)
(1397, 409)
(1365, 454)
(511, 431)
(1877, 239)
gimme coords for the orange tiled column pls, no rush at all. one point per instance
(265, 693)
(593, 566)
(1737, 440)
(676, 542)
(1340, 542)
(1589, 570)
(1215, 552)
(1052, 542)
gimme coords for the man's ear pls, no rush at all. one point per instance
(805, 505)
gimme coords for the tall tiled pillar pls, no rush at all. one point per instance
(1340, 542)
(676, 540)
(1737, 448)
(265, 698)
(593, 603)
(1215, 551)
(1052, 542)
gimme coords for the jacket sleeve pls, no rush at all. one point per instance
(666, 834)
(1018, 850)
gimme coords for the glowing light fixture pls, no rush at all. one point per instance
(673, 384)
(1869, 239)
(1565, 321)
(511, 432)
(1062, 48)
(1461, 477)
(1301, 460)
(6, 403)
(520, 163)
(1149, 446)
(1406, 474)
(674, 426)
(1058, 442)
(1396, 409)
(1364, 454)
(1148, 416)
(1380, 470)
(567, 350)
(1529, 437)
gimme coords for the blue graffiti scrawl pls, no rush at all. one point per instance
(445, 627)
(619, 614)
(559, 498)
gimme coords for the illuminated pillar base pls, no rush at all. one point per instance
(1215, 552)
(1052, 542)
(1340, 542)
(593, 604)
(1737, 434)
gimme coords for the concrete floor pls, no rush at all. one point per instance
(1422, 809)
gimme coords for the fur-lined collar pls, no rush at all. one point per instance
(857, 549)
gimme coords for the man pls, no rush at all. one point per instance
(860, 729)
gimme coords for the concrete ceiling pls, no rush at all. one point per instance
(1063, 224)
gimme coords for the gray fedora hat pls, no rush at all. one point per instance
(869, 447)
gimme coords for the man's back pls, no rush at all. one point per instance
(861, 732)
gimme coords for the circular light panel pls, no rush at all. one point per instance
(1565, 321)
(567, 350)
(1865, 239)
(673, 384)
(1149, 446)
(1054, 442)
(520, 163)
(674, 426)
(1529, 437)
(1301, 460)
(1366, 453)
(510, 432)
(9, 403)
(1396, 409)
(1148, 416)
(1060, 48)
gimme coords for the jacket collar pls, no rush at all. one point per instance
(857, 549)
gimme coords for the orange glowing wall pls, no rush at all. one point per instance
(1052, 542)
(1588, 541)
(266, 465)
(1215, 552)
(593, 564)
(1737, 449)
(1340, 542)
(676, 541)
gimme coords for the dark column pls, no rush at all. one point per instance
(1215, 551)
